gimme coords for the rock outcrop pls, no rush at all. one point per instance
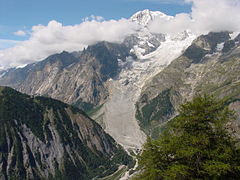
(76, 78)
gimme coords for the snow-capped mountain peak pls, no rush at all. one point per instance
(146, 16)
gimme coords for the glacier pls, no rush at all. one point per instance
(119, 110)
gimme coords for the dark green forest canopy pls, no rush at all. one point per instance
(42, 119)
(197, 144)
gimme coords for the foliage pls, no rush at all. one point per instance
(15, 106)
(158, 109)
(196, 145)
(117, 175)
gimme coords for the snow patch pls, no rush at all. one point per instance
(2, 74)
(220, 47)
(234, 35)
(146, 16)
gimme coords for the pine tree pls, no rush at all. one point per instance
(195, 145)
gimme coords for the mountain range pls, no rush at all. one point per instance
(105, 79)
(132, 89)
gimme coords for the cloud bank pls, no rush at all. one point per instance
(54, 38)
(206, 15)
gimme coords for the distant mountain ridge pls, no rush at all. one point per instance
(210, 65)
(73, 78)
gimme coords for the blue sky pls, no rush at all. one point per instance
(23, 14)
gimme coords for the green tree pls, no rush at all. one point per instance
(197, 144)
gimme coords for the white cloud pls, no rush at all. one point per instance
(206, 15)
(54, 38)
(176, 24)
(20, 33)
(216, 15)
(93, 18)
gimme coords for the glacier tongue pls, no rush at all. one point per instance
(119, 117)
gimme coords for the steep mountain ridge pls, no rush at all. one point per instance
(205, 67)
(42, 138)
(75, 80)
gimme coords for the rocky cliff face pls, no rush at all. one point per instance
(41, 138)
(75, 78)
(144, 43)
(211, 65)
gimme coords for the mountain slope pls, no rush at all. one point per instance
(41, 138)
(75, 78)
(208, 66)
